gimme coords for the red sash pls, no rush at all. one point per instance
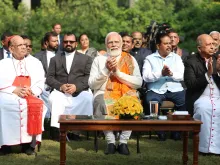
(34, 105)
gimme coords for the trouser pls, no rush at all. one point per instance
(99, 112)
(123, 138)
(178, 98)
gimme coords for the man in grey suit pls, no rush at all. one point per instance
(51, 42)
(68, 75)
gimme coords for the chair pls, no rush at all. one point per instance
(167, 105)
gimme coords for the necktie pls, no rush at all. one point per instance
(9, 55)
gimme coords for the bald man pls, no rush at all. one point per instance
(202, 78)
(20, 84)
(138, 52)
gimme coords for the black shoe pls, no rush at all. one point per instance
(24, 147)
(5, 150)
(111, 149)
(55, 134)
(123, 149)
(161, 136)
(30, 151)
(204, 154)
(176, 135)
(74, 137)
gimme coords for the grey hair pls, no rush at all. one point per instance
(112, 33)
(213, 32)
(199, 42)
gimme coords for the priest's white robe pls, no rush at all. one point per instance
(207, 109)
(13, 109)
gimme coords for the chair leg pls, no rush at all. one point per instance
(96, 142)
(87, 135)
(149, 134)
(138, 145)
(38, 147)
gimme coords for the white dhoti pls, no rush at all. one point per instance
(66, 104)
(207, 109)
(13, 120)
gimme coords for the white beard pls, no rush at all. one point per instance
(114, 53)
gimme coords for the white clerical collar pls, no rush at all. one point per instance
(70, 54)
(50, 52)
(17, 61)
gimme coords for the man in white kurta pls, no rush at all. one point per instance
(103, 68)
(13, 106)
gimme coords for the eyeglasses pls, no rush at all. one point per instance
(71, 42)
(30, 46)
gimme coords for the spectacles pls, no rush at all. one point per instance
(30, 46)
(71, 42)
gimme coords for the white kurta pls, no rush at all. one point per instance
(13, 109)
(98, 79)
(66, 104)
(207, 109)
(99, 75)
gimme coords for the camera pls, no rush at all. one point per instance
(152, 31)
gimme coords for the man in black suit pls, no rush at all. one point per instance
(202, 78)
(175, 39)
(4, 52)
(196, 71)
(68, 75)
(57, 29)
(138, 52)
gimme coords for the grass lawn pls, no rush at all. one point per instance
(153, 152)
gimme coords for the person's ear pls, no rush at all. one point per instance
(199, 48)
(157, 46)
(46, 43)
(10, 48)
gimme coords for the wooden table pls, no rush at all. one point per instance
(67, 123)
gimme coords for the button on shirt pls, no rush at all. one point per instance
(152, 73)
(20, 67)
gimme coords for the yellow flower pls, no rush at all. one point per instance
(128, 106)
(122, 111)
(127, 111)
(132, 111)
(138, 110)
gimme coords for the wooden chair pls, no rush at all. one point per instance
(167, 105)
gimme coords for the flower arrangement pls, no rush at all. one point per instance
(128, 107)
